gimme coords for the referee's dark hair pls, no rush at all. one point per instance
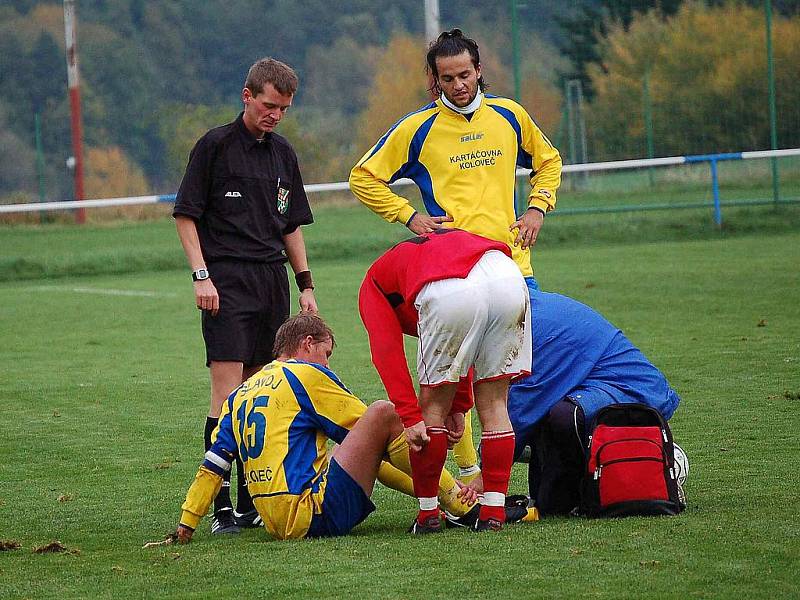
(296, 329)
(268, 70)
(452, 43)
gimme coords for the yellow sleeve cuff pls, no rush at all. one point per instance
(201, 494)
(190, 519)
(405, 213)
(541, 203)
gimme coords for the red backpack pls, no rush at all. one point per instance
(630, 464)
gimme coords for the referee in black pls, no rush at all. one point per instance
(238, 213)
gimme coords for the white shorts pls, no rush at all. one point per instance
(483, 321)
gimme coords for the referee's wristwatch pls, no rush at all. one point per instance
(200, 275)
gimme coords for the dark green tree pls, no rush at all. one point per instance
(141, 61)
(786, 8)
(586, 26)
(46, 78)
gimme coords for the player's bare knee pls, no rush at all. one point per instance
(382, 411)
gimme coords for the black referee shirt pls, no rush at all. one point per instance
(244, 194)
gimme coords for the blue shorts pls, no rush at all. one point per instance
(344, 505)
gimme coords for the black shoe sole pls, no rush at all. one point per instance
(418, 529)
(248, 520)
(487, 525)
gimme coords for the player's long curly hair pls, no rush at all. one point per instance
(451, 43)
(296, 329)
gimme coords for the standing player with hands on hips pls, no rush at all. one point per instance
(462, 151)
(238, 213)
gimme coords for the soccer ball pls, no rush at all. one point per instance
(681, 465)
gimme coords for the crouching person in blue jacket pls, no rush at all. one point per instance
(581, 363)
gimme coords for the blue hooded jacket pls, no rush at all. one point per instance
(578, 353)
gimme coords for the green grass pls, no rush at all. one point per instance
(105, 395)
(342, 232)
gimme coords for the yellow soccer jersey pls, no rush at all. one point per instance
(463, 168)
(278, 422)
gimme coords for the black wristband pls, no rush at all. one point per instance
(536, 208)
(304, 280)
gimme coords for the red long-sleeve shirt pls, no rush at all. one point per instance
(386, 303)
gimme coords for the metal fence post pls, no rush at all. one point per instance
(715, 191)
(648, 121)
(773, 118)
(37, 131)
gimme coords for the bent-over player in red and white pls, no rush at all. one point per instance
(465, 299)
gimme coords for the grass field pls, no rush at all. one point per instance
(104, 394)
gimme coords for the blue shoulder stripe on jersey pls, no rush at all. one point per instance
(326, 371)
(231, 397)
(328, 427)
(302, 447)
(230, 400)
(546, 139)
(301, 452)
(416, 171)
(382, 141)
(524, 159)
(225, 441)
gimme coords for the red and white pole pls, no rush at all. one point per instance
(70, 37)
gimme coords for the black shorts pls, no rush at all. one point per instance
(253, 303)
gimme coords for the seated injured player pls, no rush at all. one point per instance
(279, 422)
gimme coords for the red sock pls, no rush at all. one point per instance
(497, 456)
(426, 468)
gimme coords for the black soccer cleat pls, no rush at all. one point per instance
(430, 525)
(248, 519)
(223, 522)
(467, 520)
(516, 512)
(517, 500)
(487, 525)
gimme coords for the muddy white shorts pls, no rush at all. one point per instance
(483, 321)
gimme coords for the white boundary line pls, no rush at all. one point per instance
(102, 291)
(343, 186)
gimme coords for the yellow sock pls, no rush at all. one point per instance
(464, 453)
(398, 454)
(533, 515)
(448, 496)
(448, 488)
(394, 478)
